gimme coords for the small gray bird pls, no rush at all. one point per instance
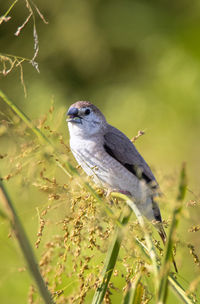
(111, 160)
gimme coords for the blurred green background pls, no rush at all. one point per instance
(139, 62)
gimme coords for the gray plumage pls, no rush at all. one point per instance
(126, 153)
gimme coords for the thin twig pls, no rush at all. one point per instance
(4, 18)
(140, 133)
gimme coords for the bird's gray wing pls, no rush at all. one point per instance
(122, 149)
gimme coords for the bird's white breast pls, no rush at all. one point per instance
(104, 169)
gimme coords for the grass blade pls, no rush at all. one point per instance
(25, 245)
(149, 243)
(135, 292)
(164, 271)
(179, 291)
(110, 261)
(182, 184)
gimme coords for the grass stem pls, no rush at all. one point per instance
(164, 271)
(149, 243)
(24, 244)
(110, 261)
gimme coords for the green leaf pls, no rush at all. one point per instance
(182, 184)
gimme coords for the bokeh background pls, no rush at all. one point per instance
(139, 62)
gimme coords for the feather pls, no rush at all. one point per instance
(123, 150)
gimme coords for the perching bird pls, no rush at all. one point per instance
(111, 159)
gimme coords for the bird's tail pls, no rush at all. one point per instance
(163, 236)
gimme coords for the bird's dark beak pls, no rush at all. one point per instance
(74, 117)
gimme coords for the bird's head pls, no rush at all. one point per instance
(85, 119)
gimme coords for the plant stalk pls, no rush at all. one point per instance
(24, 245)
(110, 260)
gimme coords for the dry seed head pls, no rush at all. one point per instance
(31, 294)
(194, 255)
(194, 228)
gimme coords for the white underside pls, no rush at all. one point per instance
(109, 173)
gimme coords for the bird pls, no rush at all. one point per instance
(112, 161)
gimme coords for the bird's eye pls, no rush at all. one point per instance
(87, 111)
